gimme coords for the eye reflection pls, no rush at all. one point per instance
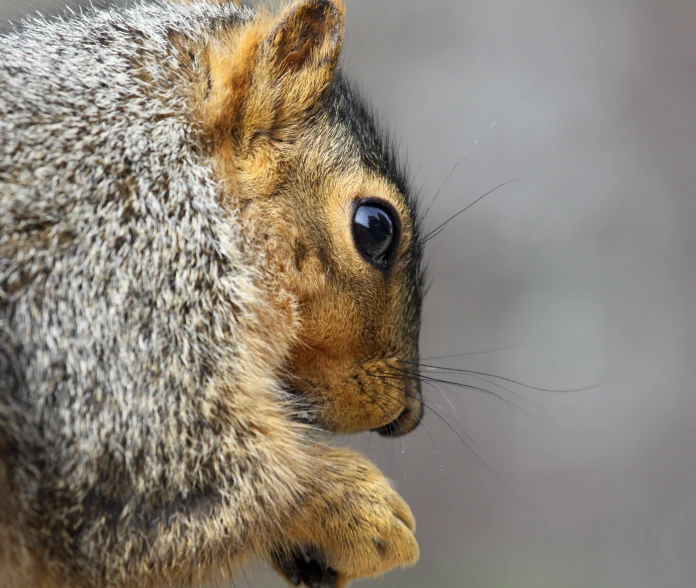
(373, 231)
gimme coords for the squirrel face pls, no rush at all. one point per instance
(297, 148)
(357, 255)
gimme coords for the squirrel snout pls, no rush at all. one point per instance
(410, 417)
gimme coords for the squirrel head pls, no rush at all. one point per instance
(304, 162)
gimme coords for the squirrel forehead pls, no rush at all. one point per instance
(347, 107)
(373, 148)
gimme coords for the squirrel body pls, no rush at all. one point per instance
(183, 306)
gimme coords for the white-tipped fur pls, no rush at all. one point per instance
(126, 302)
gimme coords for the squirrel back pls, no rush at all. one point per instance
(178, 310)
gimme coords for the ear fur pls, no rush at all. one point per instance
(308, 36)
(266, 82)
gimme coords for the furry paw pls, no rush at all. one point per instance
(381, 535)
(358, 523)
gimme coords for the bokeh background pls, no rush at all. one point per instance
(581, 272)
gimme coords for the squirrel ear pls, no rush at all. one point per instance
(292, 62)
(308, 36)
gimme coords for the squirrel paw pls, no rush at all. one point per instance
(359, 525)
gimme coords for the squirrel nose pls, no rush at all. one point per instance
(410, 417)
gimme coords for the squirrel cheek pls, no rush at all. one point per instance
(309, 279)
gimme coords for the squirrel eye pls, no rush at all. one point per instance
(373, 231)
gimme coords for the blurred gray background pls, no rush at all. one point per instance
(583, 270)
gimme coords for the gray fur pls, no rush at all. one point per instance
(123, 286)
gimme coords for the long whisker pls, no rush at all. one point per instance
(421, 423)
(456, 420)
(461, 438)
(420, 420)
(515, 408)
(369, 438)
(414, 376)
(422, 400)
(445, 397)
(478, 140)
(449, 175)
(459, 371)
(473, 352)
(437, 230)
(500, 387)
(509, 391)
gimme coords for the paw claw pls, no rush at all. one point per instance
(308, 569)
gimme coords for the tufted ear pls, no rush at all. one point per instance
(307, 37)
(268, 80)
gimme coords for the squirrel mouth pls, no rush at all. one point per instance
(402, 424)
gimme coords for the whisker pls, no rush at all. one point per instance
(420, 420)
(425, 404)
(473, 352)
(422, 400)
(515, 408)
(371, 397)
(449, 175)
(462, 440)
(437, 230)
(427, 432)
(446, 398)
(478, 139)
(509, 391)
(497, 385)
(369, 438)
(464, 432)
(460, 371)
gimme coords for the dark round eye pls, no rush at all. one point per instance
(373, 231)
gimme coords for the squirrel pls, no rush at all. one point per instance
(210, 261)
